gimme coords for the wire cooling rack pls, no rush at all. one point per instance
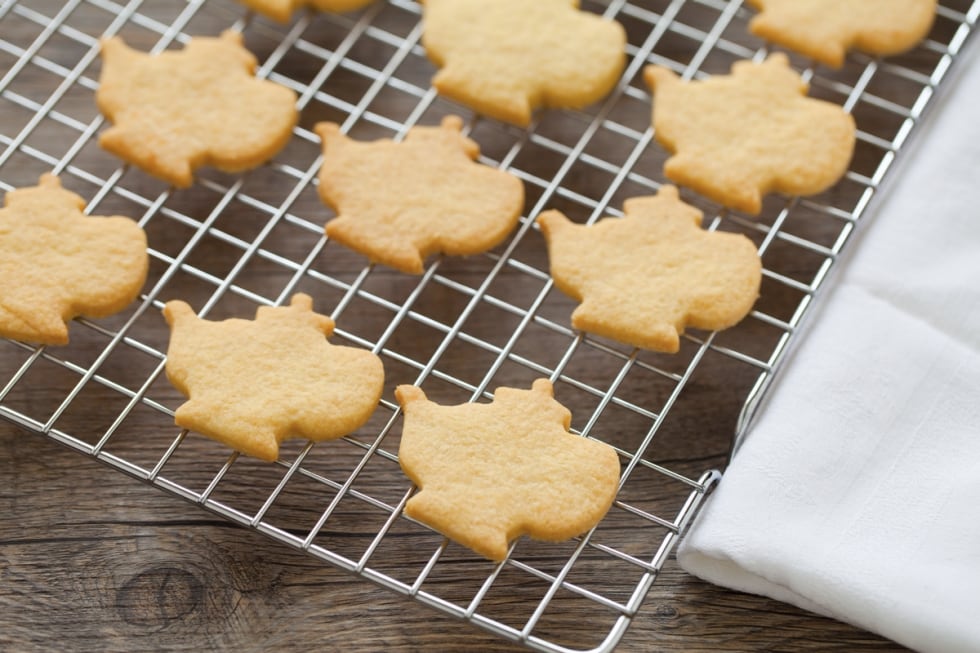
(464, 327)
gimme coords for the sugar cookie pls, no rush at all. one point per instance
(506, 57)
(642, 278)
(737, 137)
(282, 10)
(488, 473)
(397, 203)
(825, 29)
(56, 263)
(178, 110)
(253, 383)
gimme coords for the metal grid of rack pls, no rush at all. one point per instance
(233, 243)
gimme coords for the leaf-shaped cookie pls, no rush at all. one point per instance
(179, 110)
(57, 263)
(504, 58)
(642, 278)
(491, 472)
(282, 10)
(737, 137)
(252, 384)
(397, 203)
(825, 29)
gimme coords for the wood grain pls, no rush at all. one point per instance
(92, 560)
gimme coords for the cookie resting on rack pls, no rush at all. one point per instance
(282, 10)
(56, 263)
(489, 473)
(825, 29)
(253, 383)
(646, 276)
(176, 111)
(504, 58)
(737, 137)
(399, 202)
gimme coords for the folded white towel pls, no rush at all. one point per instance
(856, 493)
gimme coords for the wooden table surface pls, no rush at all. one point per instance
(94, 560)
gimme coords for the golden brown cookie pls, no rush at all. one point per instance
(397, 203)
(507, 57)
(56, 263)
(179, 110)
(489, 473)
(646, 276)
(738, 137)
(253, 383)
(825, 29)
(282, 10)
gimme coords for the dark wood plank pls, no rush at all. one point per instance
(92, 560)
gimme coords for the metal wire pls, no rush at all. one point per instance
(367, 71)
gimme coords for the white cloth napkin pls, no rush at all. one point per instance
(856, 493)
